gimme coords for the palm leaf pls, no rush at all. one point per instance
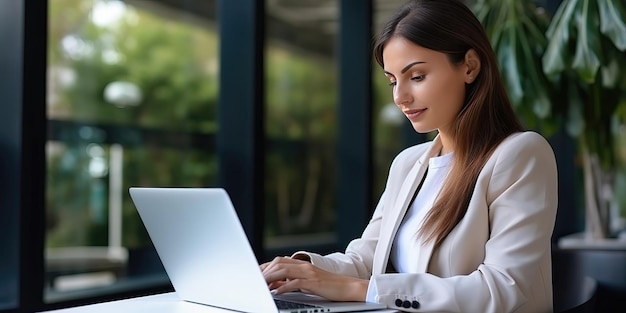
(553, 60)
(586, 62)
(516, 31)
(612, 22)
(611, 73)
(509, 60)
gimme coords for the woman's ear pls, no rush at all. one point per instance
(472, 66)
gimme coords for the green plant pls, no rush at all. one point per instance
(516, 30)
(585, 60)
(569, 75)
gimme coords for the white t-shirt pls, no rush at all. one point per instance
(405, 249)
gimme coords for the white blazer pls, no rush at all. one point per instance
(497, 259)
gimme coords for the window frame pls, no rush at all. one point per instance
(240, 143)
(11, 59)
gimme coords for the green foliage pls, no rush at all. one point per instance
(301, 96)
(174, 65)
(516, 31)
(300, 125)
(585, 60)
(179, 90)
(569, 75)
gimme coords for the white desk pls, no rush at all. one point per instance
(161, 303)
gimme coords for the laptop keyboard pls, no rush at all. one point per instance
(286, 305)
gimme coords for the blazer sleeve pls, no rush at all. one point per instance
(519, 186)
(357, 260)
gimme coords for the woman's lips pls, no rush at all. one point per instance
(413, 114)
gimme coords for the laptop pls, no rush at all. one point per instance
(208, 258)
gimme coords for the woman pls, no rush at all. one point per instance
(465, 221)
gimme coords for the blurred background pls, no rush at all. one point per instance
(279, 102)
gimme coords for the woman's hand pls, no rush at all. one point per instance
(284, 274)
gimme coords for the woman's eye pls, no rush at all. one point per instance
(414, 78)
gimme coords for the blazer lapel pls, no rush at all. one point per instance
(426, 251)
(396, 212)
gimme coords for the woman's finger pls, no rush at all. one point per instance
(276, 284)
(281, 272)
(279, 260)
(290, 285)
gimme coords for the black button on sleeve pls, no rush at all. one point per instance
(398, 302)
(415, 304)
(406, 304)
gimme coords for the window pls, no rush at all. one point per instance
(98, 102)
(11, 33)
(300, 125)
(131, 101)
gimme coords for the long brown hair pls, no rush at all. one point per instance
(486, 118)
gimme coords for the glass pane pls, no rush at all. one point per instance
(12, 24)
(132, 93)
(301, 104)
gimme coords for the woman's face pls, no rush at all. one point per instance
(427, 87)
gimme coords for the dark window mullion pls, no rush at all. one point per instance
(33, 140)
(11, 58)
(355, 125)
(240, 135)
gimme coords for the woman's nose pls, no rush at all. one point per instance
(401, 95)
